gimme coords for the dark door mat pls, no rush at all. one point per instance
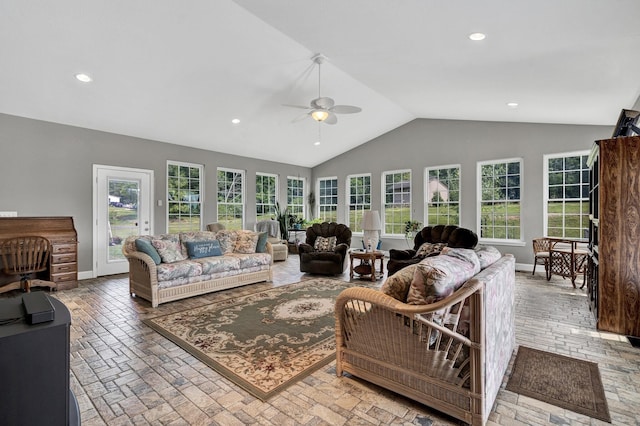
(635, 341)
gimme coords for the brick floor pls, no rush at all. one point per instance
(124, 373)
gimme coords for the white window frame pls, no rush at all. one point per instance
(356, 228)
(272, 207)
(319, 197)
(200, 194)
(383, 214)
(243, 174)
(501, 241)
(545, 188)
(304, 196)
(447, 203)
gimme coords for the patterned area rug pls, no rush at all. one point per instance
(566, 382)
(264, 341)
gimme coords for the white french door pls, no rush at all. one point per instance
(122, 208)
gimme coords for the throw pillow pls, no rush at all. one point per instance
(261, 245)
(397, 285)
(169, 248)
(198, 249)
(438, 277)
(466, 255)
(429, 249)
(195, 236)
(227, 240)
(487, 255)
(325, 244)
(246, 242)
(145, 246)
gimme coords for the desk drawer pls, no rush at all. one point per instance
(63, 248)
(63, 268)
(60, 278)
(63, 258)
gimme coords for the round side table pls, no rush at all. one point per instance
(368, 266)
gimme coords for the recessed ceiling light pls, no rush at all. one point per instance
(235, 121)
(477, 36)
(316, 143)
(84, 78)
(512, 104)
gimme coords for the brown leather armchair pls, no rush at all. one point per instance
(451, 235)
(325, 262)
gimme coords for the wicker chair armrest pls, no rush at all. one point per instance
(143, 259)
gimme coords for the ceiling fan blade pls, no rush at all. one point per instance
(345, 109)
(322, 103)
(300, 118)
(295, 106)
(332, 119)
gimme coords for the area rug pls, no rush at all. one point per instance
(265, 341)
(566, 382)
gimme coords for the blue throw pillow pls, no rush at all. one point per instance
(198, 249)
(261, 245)
(146, 247)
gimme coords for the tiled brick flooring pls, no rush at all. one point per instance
(125, 373)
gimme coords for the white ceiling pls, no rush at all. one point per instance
(179, 71)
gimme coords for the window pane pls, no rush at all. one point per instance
(568, 187)
(442, 189)
(500, 216)
(183, 198)
(397, 206)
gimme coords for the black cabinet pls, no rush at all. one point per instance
(34, 368)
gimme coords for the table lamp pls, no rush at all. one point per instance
(371, 226)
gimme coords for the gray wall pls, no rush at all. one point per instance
(47, 170)
(425, 143)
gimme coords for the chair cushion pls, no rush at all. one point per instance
(439, 276)
(325, 243)
(429, 249)
(397, 285)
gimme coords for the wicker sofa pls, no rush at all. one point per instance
(455, 364)
(165, 280)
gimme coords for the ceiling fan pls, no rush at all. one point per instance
(323, 109)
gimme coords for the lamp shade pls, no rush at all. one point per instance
(371, 220)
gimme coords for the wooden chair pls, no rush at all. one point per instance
(24, 256)
(541, 255)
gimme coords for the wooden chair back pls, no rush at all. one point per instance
(25, 255)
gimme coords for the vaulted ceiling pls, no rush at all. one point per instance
(180, 71)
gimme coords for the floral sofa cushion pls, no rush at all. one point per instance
(168, 247)
(487, 255)
(439, 276)
(397, 285)
(246, 242)
(227, 240)
(186, 268)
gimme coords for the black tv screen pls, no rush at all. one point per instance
(627, 123)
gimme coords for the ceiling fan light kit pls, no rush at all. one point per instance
(323, 109)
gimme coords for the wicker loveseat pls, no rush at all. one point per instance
(242, 259)
(450, 355)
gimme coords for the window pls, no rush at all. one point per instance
(358, 199)
(231, 198)
(295, 196)
(499, 195)
(396, 187)
(184, 201)
(266, 196)
(566, 183)
(442, 187)
(328, 199)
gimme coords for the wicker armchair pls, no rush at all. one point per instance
(450, 355)
(332, 262)
(541, 254)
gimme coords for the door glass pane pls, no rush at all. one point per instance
(123, 215)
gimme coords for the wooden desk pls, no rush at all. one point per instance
(368, 257)
(60, 231)
(567, 259)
